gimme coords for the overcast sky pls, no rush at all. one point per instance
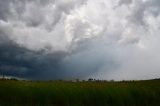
(68, 39)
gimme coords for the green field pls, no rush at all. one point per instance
(63, 93)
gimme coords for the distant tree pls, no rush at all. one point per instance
(3, 76)
(112, 80)
(90, 79)
(83, 80)
(14, 79)
(60, 80)
(77, 80)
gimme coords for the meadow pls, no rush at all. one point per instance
(88, 93)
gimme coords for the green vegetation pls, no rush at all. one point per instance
(63, 93)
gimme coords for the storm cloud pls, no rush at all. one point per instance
(68, 39)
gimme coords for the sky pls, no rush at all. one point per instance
(69, 39)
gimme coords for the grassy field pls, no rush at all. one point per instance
(60, 93)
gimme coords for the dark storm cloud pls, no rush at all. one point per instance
(24, 63)
(21, 62)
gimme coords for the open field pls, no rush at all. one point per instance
(61, 93)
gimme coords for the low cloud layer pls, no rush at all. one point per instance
(68, 39)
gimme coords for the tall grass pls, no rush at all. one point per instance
(137, 93)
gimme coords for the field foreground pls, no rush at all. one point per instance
(61, 93)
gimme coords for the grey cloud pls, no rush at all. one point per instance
(121, 2)
(67, 6)
(141, 7)
(35, 13)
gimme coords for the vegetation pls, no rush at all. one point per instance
(85, 93)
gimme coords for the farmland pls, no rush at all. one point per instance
(88, 93)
